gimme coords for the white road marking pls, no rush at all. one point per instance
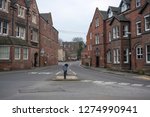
(109, 83)
(86, 80)
(137, 85)
(40, 73)
(148, 86)
(124, 84)
(98, 82)
(58, 72)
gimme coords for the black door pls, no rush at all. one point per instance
(97, 61)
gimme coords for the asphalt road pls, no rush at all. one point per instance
(92, 84)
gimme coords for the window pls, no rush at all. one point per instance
(90, 35)
(124, 7)
(3, 28)
(147, 23)
(110, 14)
(4, 53)
(109, 56)
(109, 36)
(138, 3)
(139, 52)
(125, 31)
(17, 53)
(34, 36)
(20, 32)
(4, 5)
(96, 39)
(25, 54)
(21, 11)
(97, 22)
(116, 32)
(148, 54)
(138, 28)
(34, 18)
(126, 55)
(116, 56)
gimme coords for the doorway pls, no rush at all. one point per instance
(35, 59)
(97, 61)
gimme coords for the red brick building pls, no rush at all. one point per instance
(49, 41)
(19, 34)
(124, 36)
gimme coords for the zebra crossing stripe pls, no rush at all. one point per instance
(124, 84)
(148, 86)
(109, 83)
(138, 85)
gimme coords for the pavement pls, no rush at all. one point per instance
(121, 73)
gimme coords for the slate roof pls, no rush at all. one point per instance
(104, 14)
(120, 18)
(47, 17)
(12, 41)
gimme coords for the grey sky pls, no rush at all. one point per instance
(72, 17)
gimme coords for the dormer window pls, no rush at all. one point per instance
(110, 14)
(138, 3)
(124, 7)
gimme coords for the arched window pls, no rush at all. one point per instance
(139, 52)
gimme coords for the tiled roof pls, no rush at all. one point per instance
(120, 18)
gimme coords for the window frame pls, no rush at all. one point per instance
(5, 53)
(97, 41)
(138, 3)
(21, 11)
(126, 55)
(147, 29)
(17, 55)
(116, 54)
(125, 30)
(109, 57)
(20, 31)
(139, 52)
(97, 22)
(147, 54)
(25, 54)
(4, 28)
(138, 28)
(4, 6)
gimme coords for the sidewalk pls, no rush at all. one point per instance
(123, 73)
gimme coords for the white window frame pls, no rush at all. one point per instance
(20, 32)
(109, 56)
(138, 3)
(4, 52)
(139, 52)
(124, 7)
(138, 28)
(125, 30)
(147, 54)
(97, 22)
(110, 14)
(97, 39)
(126, 55)
(2, 28)
(34, 36)
(25, 53)
(17, 53)
(115, 32)
(116, 56)
(147, 29)
(4, 6)
(21, 11)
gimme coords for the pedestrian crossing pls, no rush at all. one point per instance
(99, 83)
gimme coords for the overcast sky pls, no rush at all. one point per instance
(73, 17)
